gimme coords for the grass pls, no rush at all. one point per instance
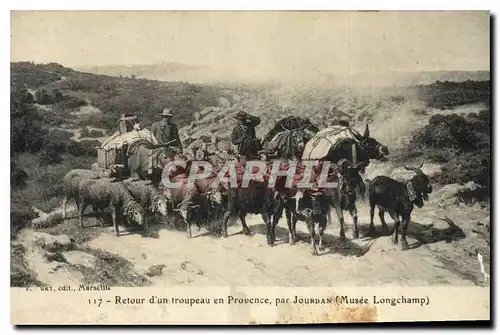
(74, 231)
(20, 274)
(110, 269)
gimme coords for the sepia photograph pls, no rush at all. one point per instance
(249, 167)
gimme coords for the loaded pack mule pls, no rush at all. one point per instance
(313, 206)
(132, 152)
(287, 139)
(398, 198)
(337, 142)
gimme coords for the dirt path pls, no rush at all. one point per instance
(247, 260)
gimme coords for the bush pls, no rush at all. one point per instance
(96, 133)
(83, 148)
(71, 102)
(84, 132)
(18, 177)
(21, 212)
(462, 144)
(447, 95)
(26, 128)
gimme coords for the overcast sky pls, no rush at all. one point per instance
(258, 43)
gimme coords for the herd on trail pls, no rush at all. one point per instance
(138, 193)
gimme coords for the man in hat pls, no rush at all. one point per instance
(243, 135)
(166, 131)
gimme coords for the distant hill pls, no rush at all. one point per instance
(173, 71)
(164, 71)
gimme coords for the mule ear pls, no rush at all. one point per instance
(420, 166)
(367, 131)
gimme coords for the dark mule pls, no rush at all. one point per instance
(286, 140)
(358, 150)
(398, 199)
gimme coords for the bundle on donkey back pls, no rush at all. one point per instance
(337, 142)
(104, 193)
(313, 204)
(287, 139)
(398, 199)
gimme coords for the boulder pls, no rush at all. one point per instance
(80, 258)
(52, 243)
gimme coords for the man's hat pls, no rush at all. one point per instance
(241, 115)
(166, 112)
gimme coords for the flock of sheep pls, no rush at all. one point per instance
(133, 201)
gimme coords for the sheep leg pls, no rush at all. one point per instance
(188, 229)
(115, 221)
(145, 226)
(100, 212)
(64, 202)
(354, 213)
(81, 209)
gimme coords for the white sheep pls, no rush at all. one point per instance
(71, 183)
(103, 193)
(148, 196)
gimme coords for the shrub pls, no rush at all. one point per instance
(447, 95)
(71, 102)
(83, 148)
(26, 128)
(21, 212)
(462, 144)
(84, 132)
(96, 133)
(18, 177)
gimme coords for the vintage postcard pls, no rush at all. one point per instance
(235, 168)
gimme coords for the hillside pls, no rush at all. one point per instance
(113, 96)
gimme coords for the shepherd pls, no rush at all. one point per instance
(243, 135)
(166, 131)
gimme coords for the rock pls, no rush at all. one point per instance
(471, 185)
(446, 192)
(51, 242)
(155, 270)
(54, 266)
(80, 258)
(54, 257)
